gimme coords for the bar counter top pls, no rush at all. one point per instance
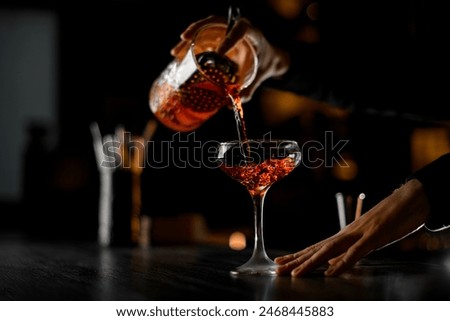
(49, 270)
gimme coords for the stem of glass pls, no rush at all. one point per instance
(259, 250)
(259, 263)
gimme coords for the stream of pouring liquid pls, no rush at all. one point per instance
(239, 117)
(240, 124)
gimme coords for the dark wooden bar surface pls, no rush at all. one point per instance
(39, 270)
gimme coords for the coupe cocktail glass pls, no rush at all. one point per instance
(257, 164)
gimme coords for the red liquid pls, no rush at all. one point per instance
(239, 116)
(180, 114)
(258, 177)
(186, 108)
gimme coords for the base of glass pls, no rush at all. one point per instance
(256, 266)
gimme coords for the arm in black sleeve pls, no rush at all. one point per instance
(435, 178)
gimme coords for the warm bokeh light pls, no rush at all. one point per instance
(289, 9)
(346, 173)
(237, 241)
(279, 106)
(427, 144)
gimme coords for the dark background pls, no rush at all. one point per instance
(109, 53)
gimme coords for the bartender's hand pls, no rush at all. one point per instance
(395, 217)
(273, 62)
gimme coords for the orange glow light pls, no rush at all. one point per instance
(237, 241)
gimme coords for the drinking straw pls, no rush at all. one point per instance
(341, 210)
(105, 197)
(359, 204)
